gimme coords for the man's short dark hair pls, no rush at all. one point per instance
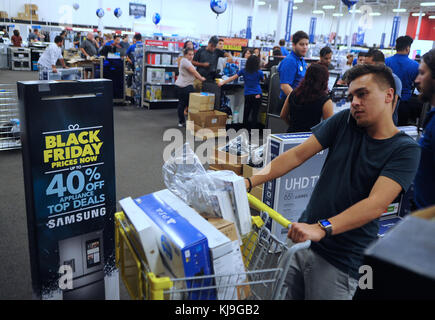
(214, 41)
(298, 36)
(324, 51)
(282, 42)
(116, 36)
(138, 37)
(429, 60)
(362, 54)
(34, 30)
(221, 40)
(277, 52)
(58, 39)
(381, 74)
(376, 55)
(403, 42)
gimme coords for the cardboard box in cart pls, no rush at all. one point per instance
(290, 194)
(201, 101)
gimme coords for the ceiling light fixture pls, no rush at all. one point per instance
(375, 14)
(427, 4)
(416, 14)
(328, 7)
(298, 1)
(356, 11)
(399, 10)
(295, 8)
(318, 11)
(337, 14)
(261, 3)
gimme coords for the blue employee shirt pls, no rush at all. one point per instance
(291, 71)
(131, 49)
(252, 81)
(424, 183)
(406, 69)
(284, 51)
(110, 42)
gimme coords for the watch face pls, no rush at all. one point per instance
(325, 223)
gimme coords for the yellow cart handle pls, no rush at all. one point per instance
(260, 206)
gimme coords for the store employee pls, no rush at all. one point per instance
(137, 40)
(292, 69)
(49, 57)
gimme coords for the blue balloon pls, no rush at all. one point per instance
(349, 3)
(117, 12)
(218, 6)
(156, 18)
(100, 13)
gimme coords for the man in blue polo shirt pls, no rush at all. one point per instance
(407, 70)
(424, 183)
(292, 69)
(137, 39)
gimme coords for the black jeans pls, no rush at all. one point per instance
(250, 114)
(183, 101)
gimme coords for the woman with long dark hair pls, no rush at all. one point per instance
(252, 76)
(309, 102)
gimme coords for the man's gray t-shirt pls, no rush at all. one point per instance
(354, 163)
(89, 47)
(203, 55)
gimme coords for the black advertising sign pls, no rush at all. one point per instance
(137, 10)
(69, 173)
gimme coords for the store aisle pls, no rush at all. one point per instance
(138, 150)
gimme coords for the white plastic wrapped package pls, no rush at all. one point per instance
(185, 176)
(238, 146)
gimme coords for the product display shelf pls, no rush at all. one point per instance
(157, 86)
(9, 118)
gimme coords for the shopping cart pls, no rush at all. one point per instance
(266, 261)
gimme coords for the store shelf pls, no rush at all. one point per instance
(161, 51)
(161, 65)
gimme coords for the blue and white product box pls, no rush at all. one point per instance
(290, 194)
(224, 253)
(184, 248)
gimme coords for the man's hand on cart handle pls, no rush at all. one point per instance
(301, 232)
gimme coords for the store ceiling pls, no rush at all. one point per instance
(377, 5)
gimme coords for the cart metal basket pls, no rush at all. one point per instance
(9, 118)
(266, 261)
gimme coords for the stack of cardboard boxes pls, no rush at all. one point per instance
(3, 15)
(29, 13)
(203, 115)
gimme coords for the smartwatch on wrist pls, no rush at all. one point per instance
(327, 226)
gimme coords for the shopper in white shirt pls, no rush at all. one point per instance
(49, 58)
